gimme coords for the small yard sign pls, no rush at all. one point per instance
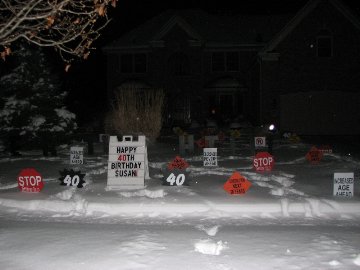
(29, 180)
(210, 157)
(264, 162)
(344, 185)
(175, 173)
(72, 178)
(237, 184)
(314, 156)
(178, 163)
(76, 155)
(260, 142)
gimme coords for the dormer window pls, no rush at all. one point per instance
(324, 44)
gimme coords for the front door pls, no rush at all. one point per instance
(226, 106)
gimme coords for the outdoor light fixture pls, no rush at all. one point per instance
(272, 127)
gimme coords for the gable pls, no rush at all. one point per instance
(322, 14)
(200, 27)
(179, 25)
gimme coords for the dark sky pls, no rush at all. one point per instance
(86, 80)
(130, 13)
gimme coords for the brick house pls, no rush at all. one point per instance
(301, 71)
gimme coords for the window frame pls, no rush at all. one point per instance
(225, 62)
(330, 43)
(132, 63)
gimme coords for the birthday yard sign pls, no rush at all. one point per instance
(127, 164)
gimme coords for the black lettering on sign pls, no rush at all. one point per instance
(126, 165)
(126, 150)
(125, 173)
(343, 187)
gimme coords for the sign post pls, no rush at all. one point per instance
(211, 140)
(127, 164)
(344, 185)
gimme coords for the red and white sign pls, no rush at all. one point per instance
(237, 184)
(29, 180)
(260, 142)
(326, 149)
(314, 156)
(264, 162)
(178, 163)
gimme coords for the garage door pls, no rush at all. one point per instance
(320, 113)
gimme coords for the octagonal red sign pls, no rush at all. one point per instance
(237, 184)
(263, 162)
(29, 180)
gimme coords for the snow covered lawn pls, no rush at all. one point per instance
(288, 219)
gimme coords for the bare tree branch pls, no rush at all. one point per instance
(70, 26)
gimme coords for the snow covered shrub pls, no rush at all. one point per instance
(32, 109)
(137, 112)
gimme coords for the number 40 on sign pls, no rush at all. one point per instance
(178, 180)
(72, 178)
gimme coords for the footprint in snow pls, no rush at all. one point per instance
(211, 231)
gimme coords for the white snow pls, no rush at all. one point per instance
(288, 219)
(209, 247)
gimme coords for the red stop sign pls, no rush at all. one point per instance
(263, 162)
(29, 180)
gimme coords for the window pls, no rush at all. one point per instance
(133, 63)
(126, 63)
(324, 44)
(225, 61)
(232, 61)
(140, 63)
(178, 64)
(218, 61)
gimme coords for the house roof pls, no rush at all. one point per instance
(236, 30)
(297, 19)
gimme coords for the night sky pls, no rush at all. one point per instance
(86, 80)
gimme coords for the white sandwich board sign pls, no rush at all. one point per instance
(344, 184)
(127, 164)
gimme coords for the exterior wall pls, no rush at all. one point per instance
(300, 70)
(254, 84)
(182, 89)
